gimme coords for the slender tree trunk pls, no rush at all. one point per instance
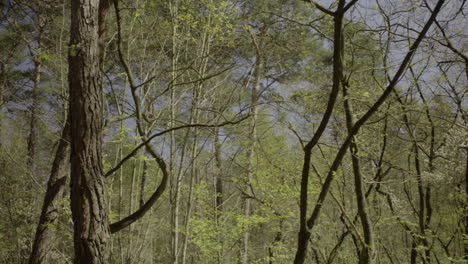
(188, 215)
(258, 76)
(218, 177)
(32, 138)
(120, 236)
(88, 202)
(304, 233)
(367, 252)
(218, 190)
(174, 183)
(250, 173)
(144, 175)
(3, 71)
(3, 79)
(427, 188)
(422, 203)
(44, 238)
(194, 117)
(193, 175)
(422, 215)
(465, 216)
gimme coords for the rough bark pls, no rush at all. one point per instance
(88, 202)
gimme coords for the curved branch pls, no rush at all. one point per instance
(115, 227)
(135, 150)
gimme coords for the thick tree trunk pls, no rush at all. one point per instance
(88, 203)
(50, 209)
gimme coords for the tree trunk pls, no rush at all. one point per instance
(465, 215)
(33, 120)
(304, 234)
(219, 192)
(367, 252)
(3, 78)
(258, 76)
(305, 231)
(218, 176)
(50, 209)
(3, 71)
(144, 175)
(174, 183)
(88, 203)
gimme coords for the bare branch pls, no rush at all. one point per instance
(148, 140)
(321, 8)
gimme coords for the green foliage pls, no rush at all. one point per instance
(195, 63)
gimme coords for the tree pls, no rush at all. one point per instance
(204, 130)
(88, 201)
(307, 225)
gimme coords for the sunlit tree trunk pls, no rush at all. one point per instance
(88, 202)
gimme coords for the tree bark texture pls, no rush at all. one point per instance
(88, 203)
